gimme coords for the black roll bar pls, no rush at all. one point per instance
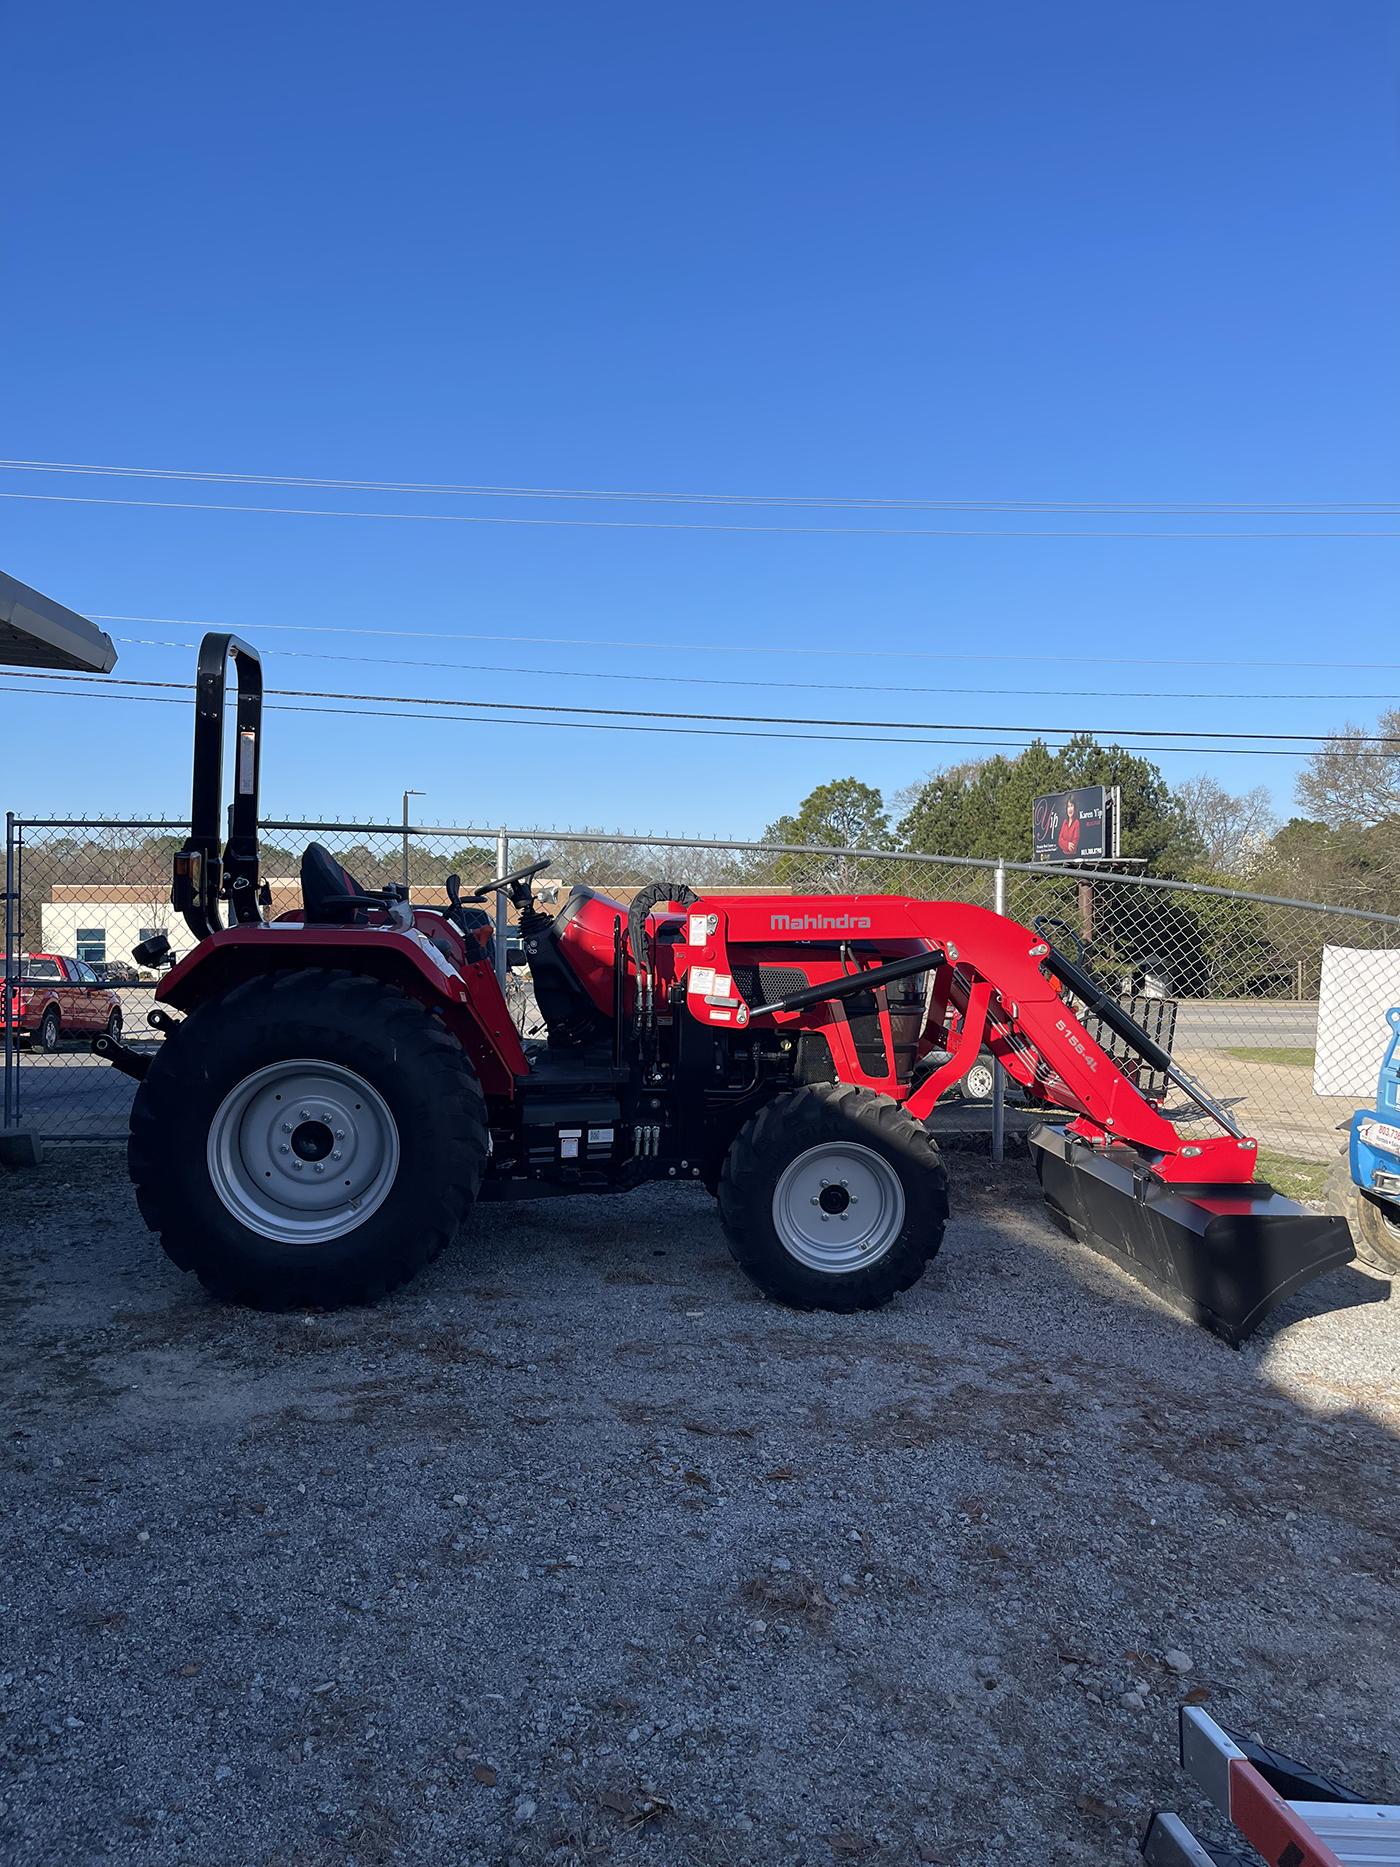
(205, 872)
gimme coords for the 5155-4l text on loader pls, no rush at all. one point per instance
(346, 1082)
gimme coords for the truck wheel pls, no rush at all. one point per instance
(48, 1032)
(309, 1138)
(1375, 1223)
(980, 1080)
(833, 1198)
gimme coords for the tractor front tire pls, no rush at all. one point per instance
(1375, 1223)
(833, 1198)
(308, 1139)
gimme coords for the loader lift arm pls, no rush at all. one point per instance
(1183, 1214)
(996, 983)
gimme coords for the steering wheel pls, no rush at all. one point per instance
(1044, 922)
(507, 882)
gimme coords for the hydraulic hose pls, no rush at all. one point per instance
(854, 982)
(1098, 1002)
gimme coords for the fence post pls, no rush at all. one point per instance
(998, 1075)
(502, 868)
(10, 982)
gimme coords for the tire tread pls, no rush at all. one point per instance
(369, 1011)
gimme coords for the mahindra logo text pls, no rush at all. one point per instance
(818, 923)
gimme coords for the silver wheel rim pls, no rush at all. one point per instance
(978, 1082)
(838, 1208)
(303, 1151)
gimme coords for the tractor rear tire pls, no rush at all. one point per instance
(833, 1198)
(266, 1202)
(1375, 1223)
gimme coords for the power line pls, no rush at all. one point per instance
(860, 503)
(700, 680)
(860, 652)
(665, 731)
(657, 525)
(764, 719)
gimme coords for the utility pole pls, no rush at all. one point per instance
(406, 796)
(502, 919)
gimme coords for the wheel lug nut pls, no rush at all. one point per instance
(284, 1149)
(335, 1153)
(286, 1127)
(320, 1167)
(297, 1165)
(340, 1134)
(305, 1114)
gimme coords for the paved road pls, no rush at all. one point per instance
(1223, 1023)
(73, 1094)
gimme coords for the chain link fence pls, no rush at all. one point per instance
(1276, 1006)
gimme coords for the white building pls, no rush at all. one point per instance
(100, 922)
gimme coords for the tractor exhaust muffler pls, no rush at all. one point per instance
(1223, 1255)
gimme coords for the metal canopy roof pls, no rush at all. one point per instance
(36, 632)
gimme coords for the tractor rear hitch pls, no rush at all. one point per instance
(133, 1063)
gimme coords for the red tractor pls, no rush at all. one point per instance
(346, 1082)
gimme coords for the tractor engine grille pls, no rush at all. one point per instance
(762, 985)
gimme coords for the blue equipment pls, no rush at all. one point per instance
(1373, 1157)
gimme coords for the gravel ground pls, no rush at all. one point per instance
(579, 1551)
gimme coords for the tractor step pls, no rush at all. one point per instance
(1224, 1255)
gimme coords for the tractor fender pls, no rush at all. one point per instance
(468, 999)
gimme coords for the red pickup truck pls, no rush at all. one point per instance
(57, 997)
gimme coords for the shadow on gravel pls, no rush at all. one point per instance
(578, 1551)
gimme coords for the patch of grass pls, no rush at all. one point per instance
(1294, 1059)
(1295, 1179)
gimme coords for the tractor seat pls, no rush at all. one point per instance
(324, 885)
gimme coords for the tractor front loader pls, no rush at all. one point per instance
(345, 1082)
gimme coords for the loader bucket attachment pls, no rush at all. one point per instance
(1224, 1256)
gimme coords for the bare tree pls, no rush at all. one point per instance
(1355, 778)
(1232, 829)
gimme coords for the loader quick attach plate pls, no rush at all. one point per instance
(1225, 1256)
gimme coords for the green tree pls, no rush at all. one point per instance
(844, 814)
(1348, 866)
(983, 808)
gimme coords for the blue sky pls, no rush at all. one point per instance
(1008, 252)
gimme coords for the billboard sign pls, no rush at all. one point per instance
(1071, 826)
